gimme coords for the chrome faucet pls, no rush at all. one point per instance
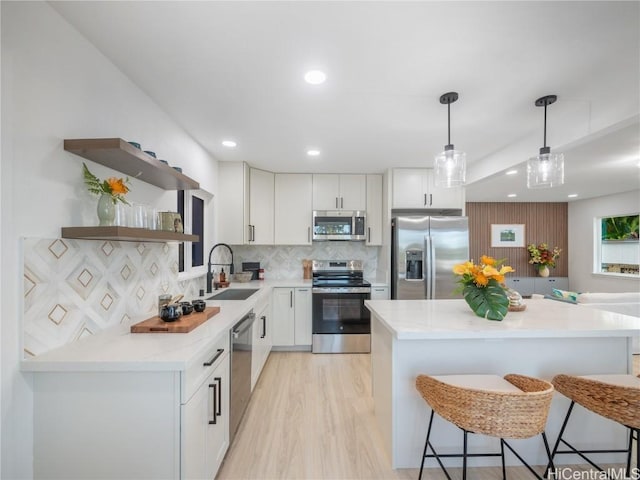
(209, 265)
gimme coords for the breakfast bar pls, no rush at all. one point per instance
(439, 337)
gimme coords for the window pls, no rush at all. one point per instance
(618, 245)
(194, 207)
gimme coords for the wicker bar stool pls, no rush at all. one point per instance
(512, 407)
(616, 397)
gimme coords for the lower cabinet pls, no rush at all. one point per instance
(379, 293)
(527, 286)
(261, 344)
(168, 424)
(292, 317)
(205, 425)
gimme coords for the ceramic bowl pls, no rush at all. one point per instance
(178, 169)
(171, 312)
(199, 305)
(135, 144)
(187, 308)
(149, 152)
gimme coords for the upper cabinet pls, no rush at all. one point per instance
(339, 192)
(374, 210)
(261, 207)
(245, 215)
(233, 211)
(415, 188)
(292, 209)
(120, 155)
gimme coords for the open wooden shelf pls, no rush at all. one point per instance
(126, 234)
(118, 154)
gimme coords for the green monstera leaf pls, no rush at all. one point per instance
(490, 302)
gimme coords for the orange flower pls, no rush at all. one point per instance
(117, 186)
(480, 280)
(486, 260)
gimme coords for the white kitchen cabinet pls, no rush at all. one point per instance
(339, 192)
(133, 424)
(302, 323)
(261, 207)
(415, 188)
(293, 209)
(233, 206)
(374, 210)
(291, 317)
(261, 344)
(205, 421)
(379, 293)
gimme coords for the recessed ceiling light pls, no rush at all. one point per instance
(512, 195)
(313, 153)
(229, 143)
(511, 172)
(315, 77)
(572, 195)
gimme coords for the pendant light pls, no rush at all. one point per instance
(450, 165)
(546, 169)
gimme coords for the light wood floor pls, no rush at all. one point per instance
(311, 417)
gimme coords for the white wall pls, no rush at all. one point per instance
(581, 239)
(56, 85)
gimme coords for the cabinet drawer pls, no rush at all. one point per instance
(203, 366)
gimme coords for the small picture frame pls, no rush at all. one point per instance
(507, 235)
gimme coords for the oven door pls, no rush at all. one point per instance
(341, 311)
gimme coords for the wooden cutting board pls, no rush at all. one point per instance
(185, 324)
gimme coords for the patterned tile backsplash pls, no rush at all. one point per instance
(76, 288)
(285, 262)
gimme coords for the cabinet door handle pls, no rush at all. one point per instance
(425, 199)
(336, 202)
(219, 352)
(341, 202)
(369, 234)
(218, 411)
(430, 199)
(215, 401)
(309, 234)
(291, 298)
(264, 326)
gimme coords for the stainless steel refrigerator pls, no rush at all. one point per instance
(424, 250)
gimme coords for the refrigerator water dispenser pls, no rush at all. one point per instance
(414, 265)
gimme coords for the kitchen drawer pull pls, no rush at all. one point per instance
(218, 410)
(264, 326)
(215, 400)
(219, 352)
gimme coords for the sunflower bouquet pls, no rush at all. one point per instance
(482, 286)
(114, 187)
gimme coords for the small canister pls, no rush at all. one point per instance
(261, 274)
(164, 299)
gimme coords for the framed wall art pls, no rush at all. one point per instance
(507, 235)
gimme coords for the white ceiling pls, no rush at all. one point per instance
(235, 70)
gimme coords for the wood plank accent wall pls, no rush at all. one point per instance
(543, 222)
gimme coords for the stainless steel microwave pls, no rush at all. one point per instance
(338, 225)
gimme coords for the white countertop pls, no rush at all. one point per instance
(116, 349)
(449, 319)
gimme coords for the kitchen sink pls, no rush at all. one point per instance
(234, 294)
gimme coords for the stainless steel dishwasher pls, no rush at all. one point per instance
(241, 341)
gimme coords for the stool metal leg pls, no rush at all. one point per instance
(550, 466)
(628, 469)
(504, 466)
(426, 445)
(464, 457)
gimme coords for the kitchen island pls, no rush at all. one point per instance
(439, 337)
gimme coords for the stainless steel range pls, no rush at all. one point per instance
(341, 322)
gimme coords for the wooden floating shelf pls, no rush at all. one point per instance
(126, 234)
(120, 155)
